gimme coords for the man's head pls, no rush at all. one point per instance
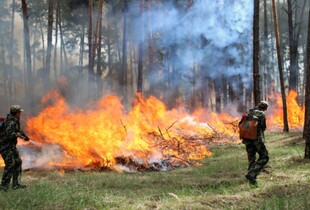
(15, 109)
(263, 105)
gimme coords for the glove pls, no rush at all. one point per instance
(26, 138)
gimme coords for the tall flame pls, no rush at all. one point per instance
(101, 135)
(295, 112)
(105, 134)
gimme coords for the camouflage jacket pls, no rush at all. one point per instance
(12, 128)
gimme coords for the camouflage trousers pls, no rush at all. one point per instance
(13, 166)
(256, 165)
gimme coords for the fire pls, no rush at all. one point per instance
(105, 136)
(295, 113)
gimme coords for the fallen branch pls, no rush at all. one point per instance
(124, 126)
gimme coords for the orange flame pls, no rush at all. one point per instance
(75, 138)
(100, 135)
(295, 112)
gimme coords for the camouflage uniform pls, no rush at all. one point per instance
(10, 154)
(256, 146)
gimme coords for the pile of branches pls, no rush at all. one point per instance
(176, 146)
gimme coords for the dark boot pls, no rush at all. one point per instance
(252, 180)
(18, 186)
(4, 188)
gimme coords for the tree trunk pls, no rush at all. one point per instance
(256, 74)
(99, 35)
(293, 49)
(43, 44)
(118, 47)
(10, 73)
(34, 55)
(91, 74)
(276, 28)
(63, 53)
(140, 59)
(306, 133)
(218, 93)
(151, 51)
(56, 38)
(265, 80)
(225, 90)
(49, 44)
(81, 54)
(29, 89)
(123, 73)
(5, 75)
(109, 46)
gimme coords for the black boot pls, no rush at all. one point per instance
(252, 180)
(4, 188)
(18, 186)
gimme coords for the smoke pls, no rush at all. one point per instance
(209, 39)
(42, 157)
(212, 34)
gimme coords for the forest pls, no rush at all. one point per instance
(203, 56)
(115, 89)
(195, 52)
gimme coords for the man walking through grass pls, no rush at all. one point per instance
(257, 145)
(8, 150)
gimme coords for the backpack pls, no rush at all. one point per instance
(248, 127)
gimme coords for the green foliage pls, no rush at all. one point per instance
(218, 183)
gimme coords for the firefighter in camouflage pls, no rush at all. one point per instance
(9, 152)
(258, 145)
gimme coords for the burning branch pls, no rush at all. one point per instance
(124, 126)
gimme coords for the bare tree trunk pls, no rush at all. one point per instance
(118, 47)
(10, 73)
(49, 44)
(256, 74)
(265, 79)
(63, 53)
(109, 54)
(218, 91)
(293, 52)
(56, 38)
(43, 45)
(151, 51)
(3, 65)
(29, 89)
(205, 94)
(276, 28)
(306, 133)
(99, 32)
(34, 47)
(123, 73)
(91, 74)
(140, 59)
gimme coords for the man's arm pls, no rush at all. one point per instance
(263, 121)
(23, 135)
(11, 131)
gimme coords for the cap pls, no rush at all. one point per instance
(16, 108)
(263, 105)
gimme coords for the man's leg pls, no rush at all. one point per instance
(8, 168)
(261, 162)
(251, 152)
(17, 170)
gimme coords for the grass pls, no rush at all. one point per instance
(218, 183)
